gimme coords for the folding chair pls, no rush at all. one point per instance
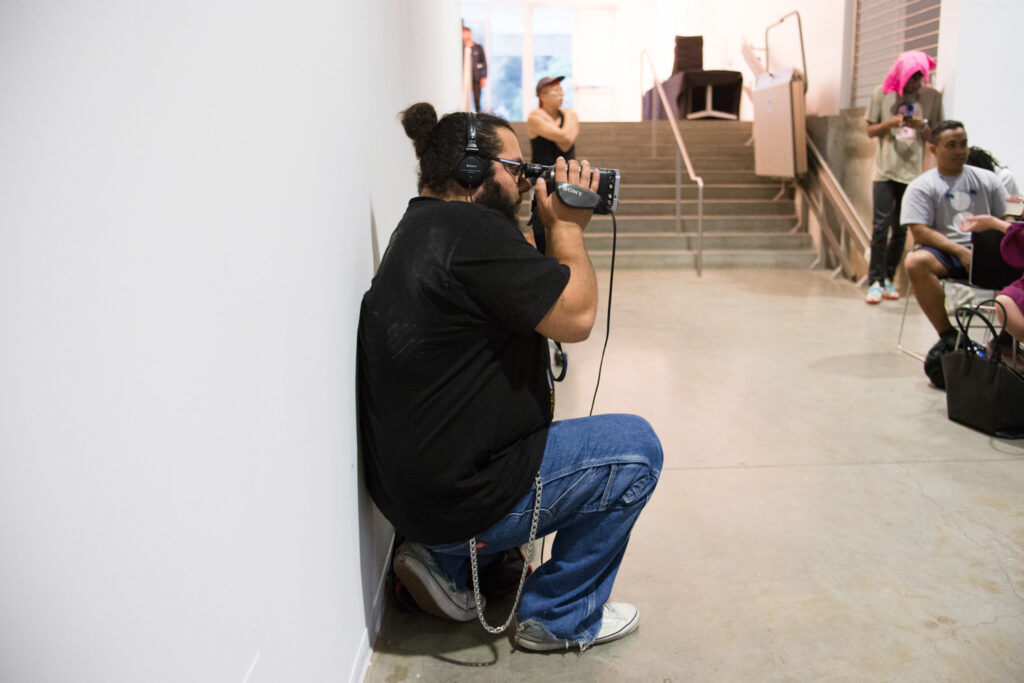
(988, 271)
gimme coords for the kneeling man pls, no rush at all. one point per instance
(456, 400)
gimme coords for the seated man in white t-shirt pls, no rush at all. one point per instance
(935, 205)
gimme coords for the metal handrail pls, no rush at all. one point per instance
(840, 200)
(851, 227)
(669, 109)
(852, 235)
(803, 54)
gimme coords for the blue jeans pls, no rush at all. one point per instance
(597, 474)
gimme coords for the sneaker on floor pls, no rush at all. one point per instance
(889, 291)
(502, 574)
(933, 360)
(618, 619)
(433, 592)
(874, 294)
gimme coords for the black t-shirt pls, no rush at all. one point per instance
(544, 151)
(454, 396)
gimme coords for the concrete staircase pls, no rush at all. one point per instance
(743, 226)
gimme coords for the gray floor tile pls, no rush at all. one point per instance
(818, 518)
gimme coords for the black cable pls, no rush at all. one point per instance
(607, 333)
(449, 660)
(608, 321)
(561, 358)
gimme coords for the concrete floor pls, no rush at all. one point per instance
(818, 517)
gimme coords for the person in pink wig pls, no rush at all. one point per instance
(899, 115)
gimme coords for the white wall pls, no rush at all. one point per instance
(654, 24)
(637, 30)
(979, 65)
(607, 56)
(185, 200)
(724, 25)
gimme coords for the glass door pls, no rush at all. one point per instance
(593, 74)
(525, 41)
(499, 29)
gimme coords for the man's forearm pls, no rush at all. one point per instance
(925, 236)
(876, 130)
(572, 130)
(537, 125)
(578, 302)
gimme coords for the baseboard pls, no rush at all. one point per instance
(362, 661)
(380, 595)
(365, 652)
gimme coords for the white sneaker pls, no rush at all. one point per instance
(874, 294)
(618, 619)
(433, 592)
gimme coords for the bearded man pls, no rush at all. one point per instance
(456, 399)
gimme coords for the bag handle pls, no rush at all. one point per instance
(965, 314)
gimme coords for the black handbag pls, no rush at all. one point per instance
(983, 392)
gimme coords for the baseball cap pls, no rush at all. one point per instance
(546, 81)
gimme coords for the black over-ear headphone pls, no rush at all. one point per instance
(470, 169)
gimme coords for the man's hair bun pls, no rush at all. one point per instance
(418, 121)
(440, 143)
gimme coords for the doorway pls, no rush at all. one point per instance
(524, 42)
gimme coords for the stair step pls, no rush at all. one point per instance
(711, 192)
(661, 241)
(667, 143)
(700, 164)
(745, 226)
(719, 177)
(713, 208)
(615, 126)
(741, 130)
(642, 153)
(730, 258)
(667, 224)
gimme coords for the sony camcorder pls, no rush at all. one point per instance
(605, 200)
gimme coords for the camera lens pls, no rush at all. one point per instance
(537, 170)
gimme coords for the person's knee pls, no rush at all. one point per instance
(1013, 320)
(924, 266)
(1001, 313)
(916, 263)
(652, 448)
(641, 440)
